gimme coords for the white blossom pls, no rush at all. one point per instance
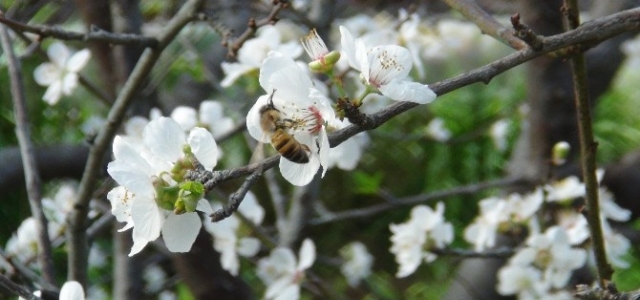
(61, 74)
(226, 239)
(385, 68)
(411, 241)
(254, 51)
(437, 130)
(346, 155)
(357, 264)
(283, 274)
(297, 100)
(482, 232)
(143, 171)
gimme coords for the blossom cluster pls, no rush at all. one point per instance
(542, 268)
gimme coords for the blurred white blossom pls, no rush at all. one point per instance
(225, 233)
(437, 130)
(412, 240)
(254, 51)
(61, 74)
(357, 262)
(283, 274)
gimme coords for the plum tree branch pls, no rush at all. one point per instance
(588, 146)
(32, 176)
(487, 23)
(252, 28)
(412, 200)
(77, 219)
(96, 34)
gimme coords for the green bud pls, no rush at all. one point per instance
(560, 152)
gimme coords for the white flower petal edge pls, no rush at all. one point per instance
(204, 147)
(71, 290)
(180, 231)
(408, 91)
(164, 138)
(253, 120)
(307, 254)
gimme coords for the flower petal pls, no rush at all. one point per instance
(234, 71)
(165, 139)
(408, 91)
(53, 93)
(349, 47)
(58, 53)
(307, 254)
(253, 120)
(387, 63)
(78, 60)
(71, 290)
(180, 231)
(147, 218)
(185, 116)
(69, 83)
(204, 147)
(46, 73)
(299, 174)
(324, 150)
(248, 246)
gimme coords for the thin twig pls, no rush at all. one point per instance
(96, 34)
(77, 219)
(252, 28)
(588, 146)
(487, 23)
(32, 177)
(22, 269)
(236, 198)
(16, 289)
(392, 202)
(502, 252)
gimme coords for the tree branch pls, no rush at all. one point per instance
(16, 289)
(96, 34)
(77, 219)
(413, 200)
(588, 146)
(32, 176)
(486, 22)
(252, 27)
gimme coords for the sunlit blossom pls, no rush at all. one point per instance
(144, 172)
(307, 110)
(61, 74)
(385, 68)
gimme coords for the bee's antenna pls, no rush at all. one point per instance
(270, 101)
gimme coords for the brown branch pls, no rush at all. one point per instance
(96, 34)
(588, 146)
(77, 219)
(502, 252)
(236, 198)
(393, 202)
(16, 289)
(487, 23)
(252, 27)
(32, 176)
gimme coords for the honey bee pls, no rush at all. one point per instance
(276, 127)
